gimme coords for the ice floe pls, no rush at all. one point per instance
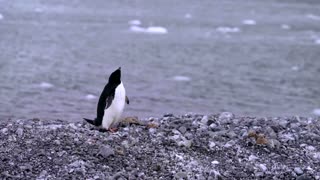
(157, 30)
(38, 10)
(90, 96)
(149, 30)
(285, 26)
(46, 85)
(181, 78)
(313, 17)
(294, 68)
(187, 16)
(249, 22)
(316, 112)
(228, 29)
(135, 22)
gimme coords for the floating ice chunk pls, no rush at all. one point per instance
(137, 29)
(1, 16)
(317, 41)
(249, 22)
(45, 85)
(156, 30)
(316, 112)
(285, 26)
(38, 10)
(90, 96)
(313, 17)
(294, 68)
(187, 16)
(135, 22)
(181, 78)
(228, 29)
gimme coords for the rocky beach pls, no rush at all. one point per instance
(191, 146)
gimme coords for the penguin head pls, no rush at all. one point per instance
(115, 77)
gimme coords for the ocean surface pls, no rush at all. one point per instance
(249, 57)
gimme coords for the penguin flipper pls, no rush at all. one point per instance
(127, 100)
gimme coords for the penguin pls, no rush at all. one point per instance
(111, 103)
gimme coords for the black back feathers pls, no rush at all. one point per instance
(106, 97)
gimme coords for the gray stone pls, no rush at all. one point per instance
(4, 131)
(181, 175)
(182, 129)
(106, 151)
(19, 132)
(226, 117)
(298, 170)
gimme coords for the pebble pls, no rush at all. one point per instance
(229, 144)
(298, 170)
(106, 151)
(225, 117)
(182, 129)
(181, 175)
(263, 167)
(252, 158)
(19, 132)
(4, 131)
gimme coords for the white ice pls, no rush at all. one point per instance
(316, 112)
(135, 22)
(149, 30)
(187, 16)
(313, 17)
(285, 26)
(137, 29)
(228, 29)
(156, 30)
(45, 85)
(38, 10)
(249, 22)
(294, 68)
(90, 96)
(181, 78)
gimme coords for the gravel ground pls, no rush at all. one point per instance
(192, 146)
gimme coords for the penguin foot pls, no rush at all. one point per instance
(113, 130)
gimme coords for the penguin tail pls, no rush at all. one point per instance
(90, 121)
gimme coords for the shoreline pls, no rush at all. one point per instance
(218, 146)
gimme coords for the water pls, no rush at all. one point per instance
(56, 56)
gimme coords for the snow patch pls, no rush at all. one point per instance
(313, 17)
(90, 96)
(46, 85)
(135, 22)
(228, 29)
(249, 22)
(181, 78)
(316, 112)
